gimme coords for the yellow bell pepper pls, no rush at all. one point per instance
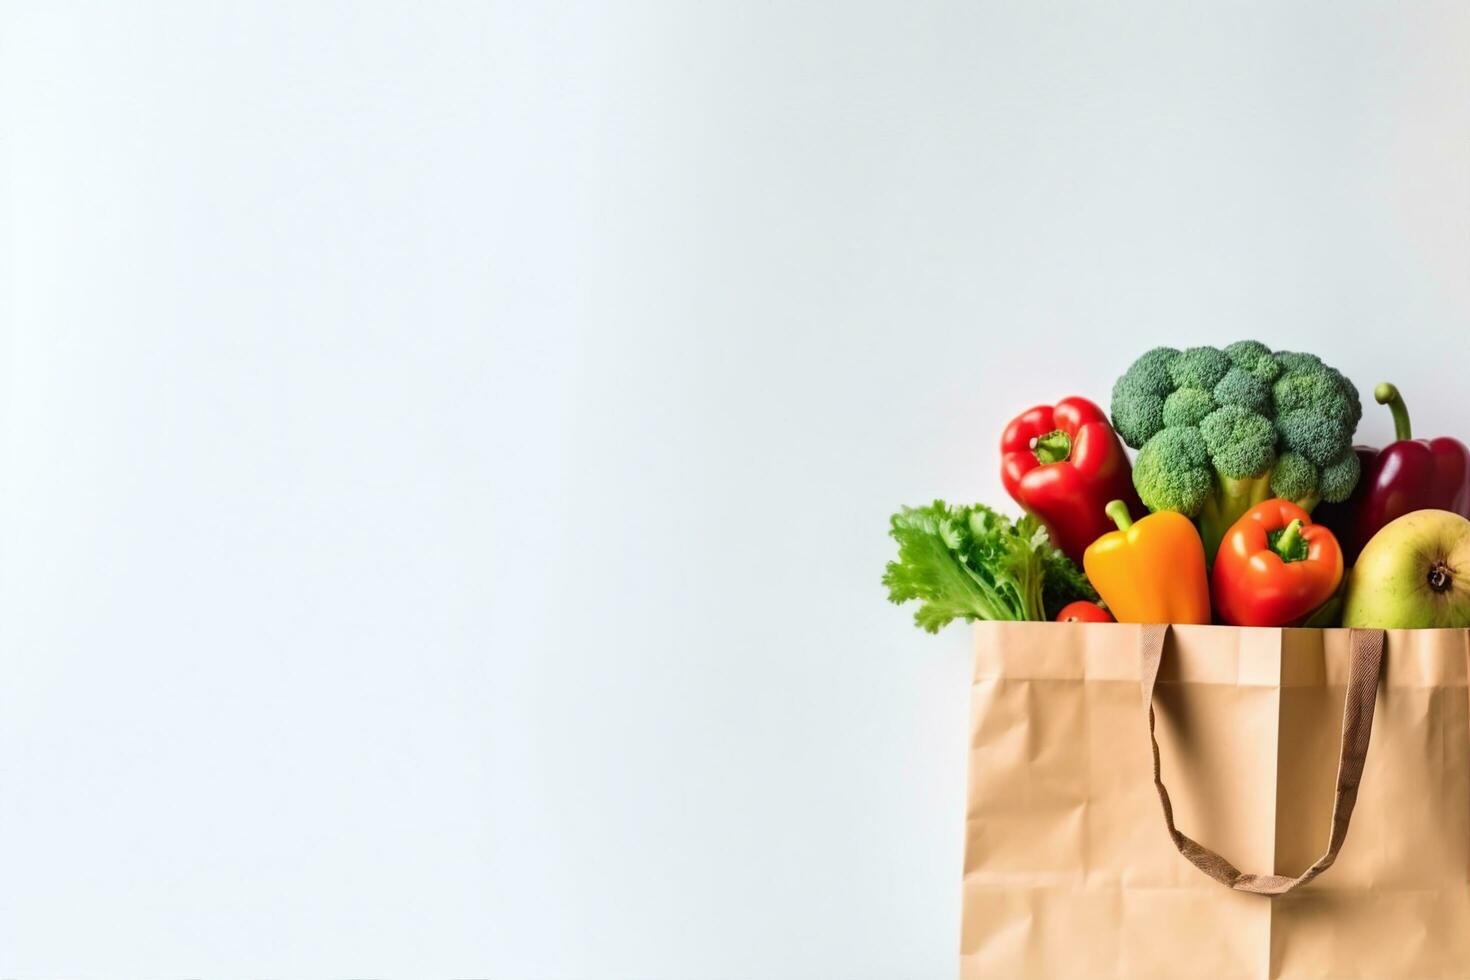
(1152, 571)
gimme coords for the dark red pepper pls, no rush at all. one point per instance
(1063, 463)
(1407, 475)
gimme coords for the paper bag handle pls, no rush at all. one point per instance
(1357, 726)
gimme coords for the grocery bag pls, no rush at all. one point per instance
(1209, 801)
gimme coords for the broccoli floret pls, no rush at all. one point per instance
(1199, 367)
(1240, 387)
(1291, 360)
(1218, 431)
(1137, 416)
(1150, 373)
(1173, 471)
(1294, 478)
(1254, 358)
(1317, 409)
(1320, 438)
(1245, 353)
(1242, 447)
(1187, 406)
(1340, 477)
(1355, 404)
(1138, 396)
(1241, 443)
(1315, 391)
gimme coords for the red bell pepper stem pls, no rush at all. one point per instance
(1387, 394)
(1288, 543)
(1054, 447)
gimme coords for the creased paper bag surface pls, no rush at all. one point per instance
(1069, 871)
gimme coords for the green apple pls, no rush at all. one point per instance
(1413, 574)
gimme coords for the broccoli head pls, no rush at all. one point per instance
(1175, 466)
(1219, 430)
(1138, 397)
(1187, 406)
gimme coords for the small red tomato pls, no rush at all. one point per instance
(1084, 612)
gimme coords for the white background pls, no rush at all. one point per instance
(448, 448)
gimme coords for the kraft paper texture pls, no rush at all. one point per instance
(1070, 872)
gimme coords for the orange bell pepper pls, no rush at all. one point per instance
(1152, 571)
(1275, 566)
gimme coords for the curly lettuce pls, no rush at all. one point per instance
(972, 563)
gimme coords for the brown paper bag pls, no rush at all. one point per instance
(1302, 846)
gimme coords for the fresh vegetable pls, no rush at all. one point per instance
(1152, 571)
(1063, 463)
(1082, 611)
(1413, 574)
(1219, 431)
(1407, 475)
(1329, 614)
(972, 563)
(1275, 567)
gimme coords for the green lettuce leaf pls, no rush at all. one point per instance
(973, 563)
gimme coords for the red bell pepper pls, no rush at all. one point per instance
(1407, 475)
(1275, 567)
(1063, 463)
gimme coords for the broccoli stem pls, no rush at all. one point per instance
(1387, 394)
(1231, 499)
(1308, 502)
